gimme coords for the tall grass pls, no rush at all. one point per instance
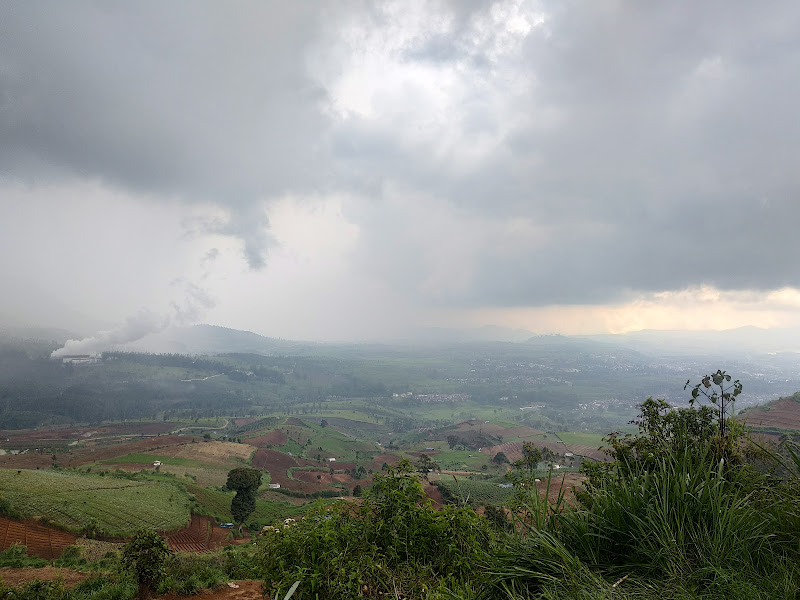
(684, 527)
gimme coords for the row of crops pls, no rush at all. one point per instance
(475, 493)
(116, 507)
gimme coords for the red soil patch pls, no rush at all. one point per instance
(274, 438)
(377, 463)
(243, 590)
(149, 444)
(201, 535)
(32, 460)
(245, 421)
(590, 451)
(432, 492)
(41, 541)
(277, 463)
(782, 414)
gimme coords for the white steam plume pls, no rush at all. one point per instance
(141, 324)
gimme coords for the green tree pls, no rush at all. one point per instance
(245, 482)
(452, 440)
(145, 555)
(426, 464)
(500, 458)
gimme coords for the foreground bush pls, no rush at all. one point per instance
(391, 543)
(678, 515)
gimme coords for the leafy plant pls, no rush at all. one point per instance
(145, 556)
(392, 543)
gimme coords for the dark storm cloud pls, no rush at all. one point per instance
(657, 143)
(200, 101)
(647, 146)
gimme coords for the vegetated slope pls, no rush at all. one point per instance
(783, 413)
(115, 506)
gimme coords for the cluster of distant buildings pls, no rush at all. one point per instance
(434, 397)
(81, 359)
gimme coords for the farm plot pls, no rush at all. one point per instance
(513, 450)
(215, 453)
(201, 535)
(278, 463)
(44, 542)
(274, 438)
(475, 493)
(116, 506)
(218, 505)
(781, 414)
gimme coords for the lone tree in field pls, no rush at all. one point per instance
(144, 555)
(245, 482)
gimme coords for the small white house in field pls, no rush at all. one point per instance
(331, 460)
(156, 463)
(274, 486)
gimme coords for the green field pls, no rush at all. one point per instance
(475, 493)
(218, 505)
(118, 507)
(457, 460)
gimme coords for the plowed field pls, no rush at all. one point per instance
(218, 453)
(783, 414)
(202, 535)
(274, 438)
(44, 542)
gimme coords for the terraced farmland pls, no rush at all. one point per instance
(44, 542)
(117, 506)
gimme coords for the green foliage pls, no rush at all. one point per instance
(663, 432)
(17, 557)
(145, 556)
(474, 493)
(245, 482)
(426, 465)
(118, 507)
(675, 516)
(713, 387)
(392, 543)
(500, 458)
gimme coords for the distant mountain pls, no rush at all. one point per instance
(726, 342)
(212, 339)
(487, 333)
(42, 334)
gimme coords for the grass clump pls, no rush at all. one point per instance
(678, 514)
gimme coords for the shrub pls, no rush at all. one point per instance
(392, 543)
(145, 556)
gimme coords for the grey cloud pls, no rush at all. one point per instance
(654, 144)
(671, 161)
(191, 99)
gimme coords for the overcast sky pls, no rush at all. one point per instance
(358, 170)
